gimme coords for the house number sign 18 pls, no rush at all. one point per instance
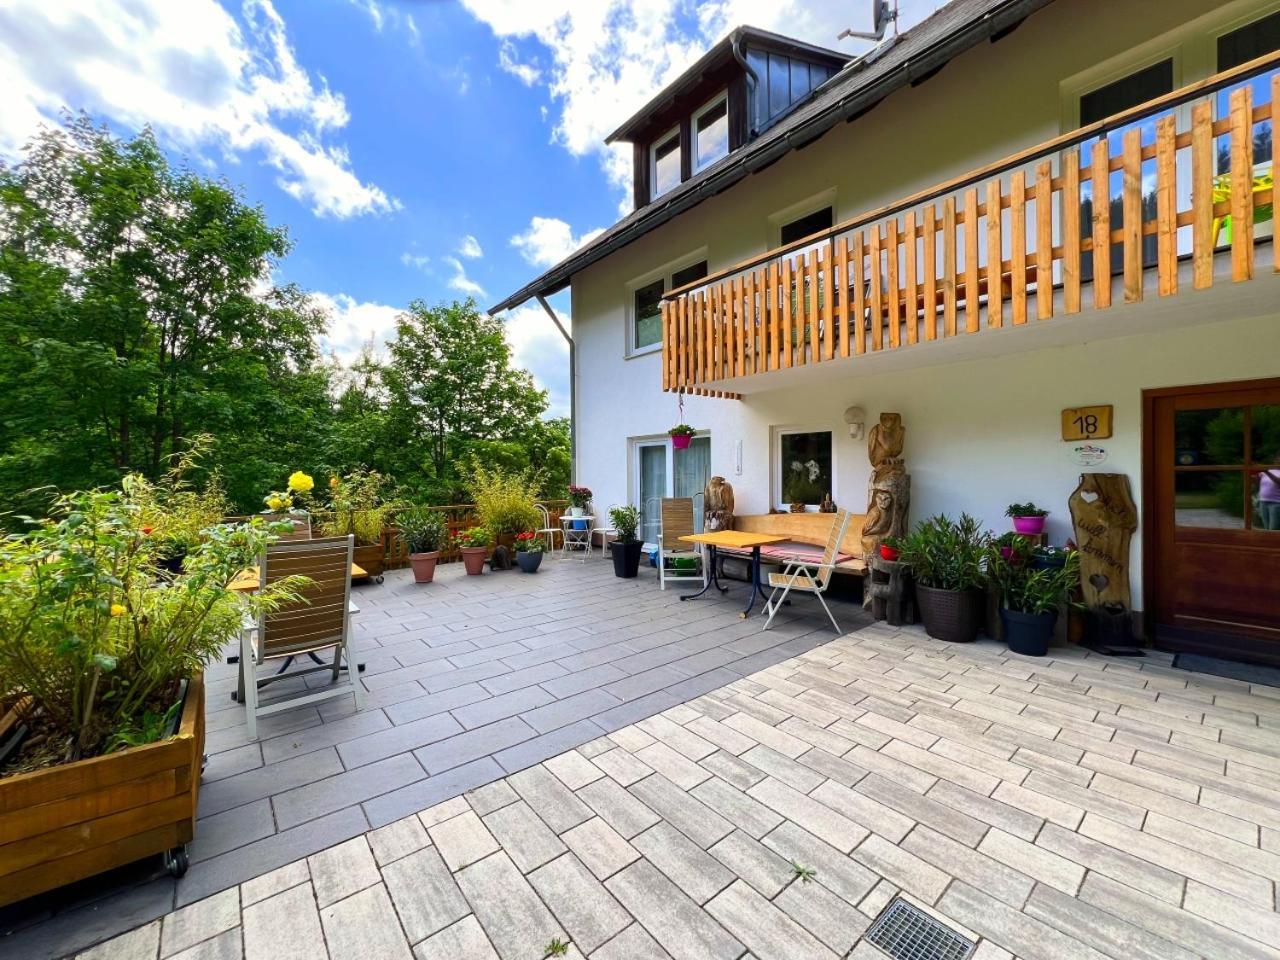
(1086, 423)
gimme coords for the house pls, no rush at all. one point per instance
(813, 233)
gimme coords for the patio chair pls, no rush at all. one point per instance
(677, 522)
(809, 576)
(605, 533)
(320, 621)
(548, 532)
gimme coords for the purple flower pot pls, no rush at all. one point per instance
(1031, 526)
(681, 441)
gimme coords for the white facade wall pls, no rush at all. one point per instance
(980, 433)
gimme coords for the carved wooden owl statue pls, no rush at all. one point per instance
(717, 505)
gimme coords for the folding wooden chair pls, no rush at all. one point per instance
(321, 620)
(677, 522)
(809, 576)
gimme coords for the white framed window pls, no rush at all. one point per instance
(710, 131)
(664, 163)
(808, 216)
(804, 466)
(659, 470)
(644, 300)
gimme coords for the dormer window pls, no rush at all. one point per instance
(664, 166)
(711, 132)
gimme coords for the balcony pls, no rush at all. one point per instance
(1188, 187)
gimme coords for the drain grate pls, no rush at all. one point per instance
(906, 932)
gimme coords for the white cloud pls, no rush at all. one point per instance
(354, 323)
(418, 261)
(537, 346)
(195, 75)
(607, 58)
(549, 240)
(384, 15)
(469, 247)
(461, 282)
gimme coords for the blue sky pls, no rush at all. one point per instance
(414, 148)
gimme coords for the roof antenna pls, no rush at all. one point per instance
(881, 17)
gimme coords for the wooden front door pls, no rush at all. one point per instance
(1212, 481)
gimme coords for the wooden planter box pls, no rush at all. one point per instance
(372, 557)
(62, 824)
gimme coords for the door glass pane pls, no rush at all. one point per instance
(1212, 436)
(692, 468)
(1209, 498)
(1265, 439)
(1265, 447)
(653, 487)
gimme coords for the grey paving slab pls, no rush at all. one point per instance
(882, 763)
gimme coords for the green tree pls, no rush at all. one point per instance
(134, 311)
(451, 393)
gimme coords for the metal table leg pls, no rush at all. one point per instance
(755, 583)
(713, 577)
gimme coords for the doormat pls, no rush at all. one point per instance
(1231, 669)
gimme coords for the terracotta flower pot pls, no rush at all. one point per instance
(424, 566)
(473, 559)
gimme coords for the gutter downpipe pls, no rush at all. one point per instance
(573, 387)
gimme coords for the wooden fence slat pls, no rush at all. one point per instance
(1202, 195)
(717, 338)
(929, 267)
(1131, 225)
(708, 335)
(911, 310)
(686, 343)
(726, 330)
(877, 303)
(949, 267)
(892, 309)
(859, 296)
(1166, 207)
(1101, 179)
(811, 308)
(828, 294)
(1044, 241)
(775, 322)
(1018, 246)
(1242, 183)
(695, 337)
(787, 331)
(737, 326)
(972, 308)
(843, 286)
(751, 346)
(995, 256)
(664, 309)
(1071, 239)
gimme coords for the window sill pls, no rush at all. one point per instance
(643, 351)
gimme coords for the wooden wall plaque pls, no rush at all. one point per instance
(1086, 423)
(1104, 518)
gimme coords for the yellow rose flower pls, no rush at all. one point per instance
(333, 483)
(299, 482)
(118, 610)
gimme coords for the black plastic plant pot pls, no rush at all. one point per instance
(1028, 633)
(626, 558)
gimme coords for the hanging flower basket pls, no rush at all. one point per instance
(681, 436)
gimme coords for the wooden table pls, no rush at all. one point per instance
(732, 540)
(248, 580)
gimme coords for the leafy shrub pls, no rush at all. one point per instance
(529, 542)
(1026, 588)
(626, 520)
(173, 510)
(506, 501)
(98, 639)
(360, 504)
(1025, 510)
(421, 530)
(947, 554)
(474, 537)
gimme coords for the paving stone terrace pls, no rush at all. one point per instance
(1068, 807)
(469, 679)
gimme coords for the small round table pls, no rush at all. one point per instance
(577, 538)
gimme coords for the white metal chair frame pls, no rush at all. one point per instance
(548, 531)
(573, 539)
(808, 576)
(255, 643)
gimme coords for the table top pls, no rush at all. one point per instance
(247, 580)
(567, 517)
(734, 539)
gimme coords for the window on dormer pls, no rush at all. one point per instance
(665, 163)
(711, 132)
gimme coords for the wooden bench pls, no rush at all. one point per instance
(806, 534)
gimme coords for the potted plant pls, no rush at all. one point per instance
(1028, 519)
(890, 549)
(947, 559)
(529, 549)
(103, 670)
(625, 547)
(681, 436)
(506, 502)
(359, 506)
(1030, 596)
(422, 533)
(473, 544)
(579, 500)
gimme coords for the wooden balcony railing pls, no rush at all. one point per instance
(1001, 244)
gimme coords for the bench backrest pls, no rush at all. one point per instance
(811, 528)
